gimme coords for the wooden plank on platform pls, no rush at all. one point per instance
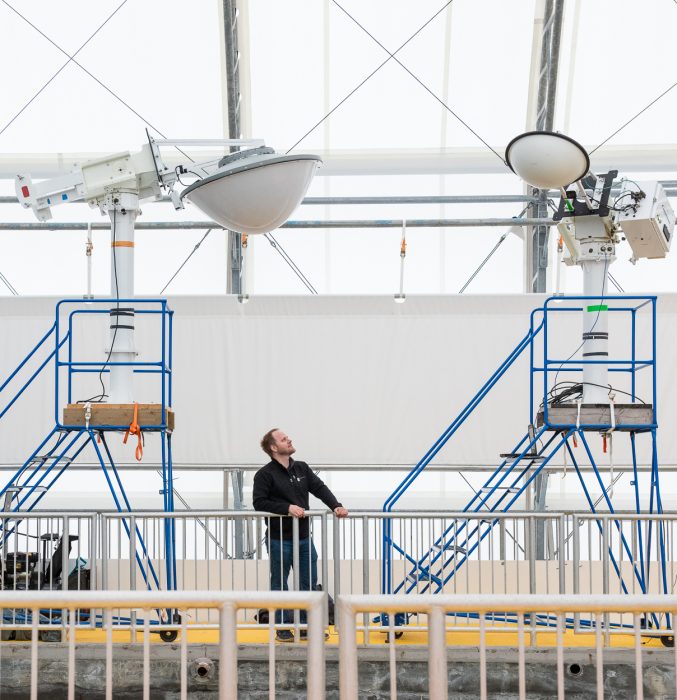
(103, 414)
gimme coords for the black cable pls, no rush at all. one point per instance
(70, 58)
(287, 258)
(178, 176)
(378, 68)
(620, 128)
(576, 389)
(421, 83)
(103, 395)
(187, 259)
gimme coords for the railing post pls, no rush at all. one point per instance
(365, 570)
(577, 565)
(561, 558)
(104, 552)
(132, 570)
(325, 564)
(336, 553)
(316, 669)
(295, 566)
(227, 652)
(64, 552)
(532, 553)
(347, 651)
(604, 558)
(65, 542)
(437, 660)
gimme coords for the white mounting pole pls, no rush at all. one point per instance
(400, 296)
(123, 208)
(88, 252)
(597, 254)
(595, 333)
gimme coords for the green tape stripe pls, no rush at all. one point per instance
(598, 307)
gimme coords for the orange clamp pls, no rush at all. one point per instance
(134, 429)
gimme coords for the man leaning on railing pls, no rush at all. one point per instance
(282, 487)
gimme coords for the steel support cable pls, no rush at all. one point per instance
(287, 258)
(71, 59)
(8, 284)
(615, 283)
(371, 75)
(484, 262)
(420, 82)
(641, 111)
(190, 255)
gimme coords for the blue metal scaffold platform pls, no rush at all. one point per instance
(559, 422)
(82, 424)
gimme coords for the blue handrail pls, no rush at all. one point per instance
(490, 498)
(459, 420)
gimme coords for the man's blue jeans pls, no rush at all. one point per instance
(281, 560)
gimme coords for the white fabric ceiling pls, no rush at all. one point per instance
(302, 58)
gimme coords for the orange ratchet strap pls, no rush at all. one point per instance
(135, 430)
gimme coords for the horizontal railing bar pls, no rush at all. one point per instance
(354, 514)
(336, 223)
(510, 603)
(230, 466)
(109, 599)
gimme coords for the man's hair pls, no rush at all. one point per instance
(267, 441)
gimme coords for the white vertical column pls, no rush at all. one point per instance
(595, 345)
(123, 208)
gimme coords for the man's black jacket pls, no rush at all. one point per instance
(276, 488)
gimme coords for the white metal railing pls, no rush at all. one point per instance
(525, 608)
(507, 622)
(466, 553)
(147, 603)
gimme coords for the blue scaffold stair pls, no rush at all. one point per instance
(456, 544)
(547, 435)
(64, 443)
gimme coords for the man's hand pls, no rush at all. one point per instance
(340, 512)
(296, 511)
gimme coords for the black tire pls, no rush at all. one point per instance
(49, 635)
(396, 635)
(169, 636)
(668, 640)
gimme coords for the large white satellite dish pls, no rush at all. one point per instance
(254, 191)
(546, 159)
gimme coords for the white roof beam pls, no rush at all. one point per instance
(631, 158)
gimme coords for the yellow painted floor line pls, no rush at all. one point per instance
(411, 636)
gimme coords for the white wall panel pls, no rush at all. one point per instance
(353, 380)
